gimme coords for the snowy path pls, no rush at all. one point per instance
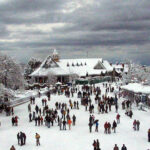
(79, 137)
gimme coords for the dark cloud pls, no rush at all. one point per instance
(111, 29)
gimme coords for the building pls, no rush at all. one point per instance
(136, 92)
(67, 69)
(120, 68)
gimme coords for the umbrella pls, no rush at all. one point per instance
(58, 83)
(96, 121)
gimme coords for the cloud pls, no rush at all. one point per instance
(104, 28)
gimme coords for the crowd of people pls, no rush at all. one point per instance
(60, 114)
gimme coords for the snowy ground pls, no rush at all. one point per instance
(78, 138)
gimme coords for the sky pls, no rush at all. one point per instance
(115, 30)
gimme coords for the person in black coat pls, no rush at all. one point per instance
(24, 138)
(124, 147)
(30, 117)
(90, 127)
(36, 120)
(74, 119)
(98, 145)
(21, 138)
(114, 126)
(64, 125)
(18, 138)
(13, 121)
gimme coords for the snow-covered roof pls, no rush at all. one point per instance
(137, 88)
(79, 67)
(119, 67)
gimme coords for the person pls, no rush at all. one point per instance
(96, 127)
(24, 138)
(98, 144)
(137, 125)
(118, 118)
(29, 108)
(64, 124)
(149, 135)
(60, 124)
(69, 123)
(130, 113)
(116, 147)
(12, 148)
(109, 127)
(13, 121)
(21, 138)
(90, 126)
(16, 120)
(18, 138)
(37, 136)
(124, 147)
(95, 145)
(114, 126)
(106, 127)
(74, 119)
(116, 107)
(134, 125)
(30, 117)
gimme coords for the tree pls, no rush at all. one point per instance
(5, 93)
(10, 73)
(32, 65)
(136, 73)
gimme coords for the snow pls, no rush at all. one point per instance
(119, 67)
(81, 70)
(78, 137)
(137, 88)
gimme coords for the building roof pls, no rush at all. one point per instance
(80, 67)
(119, 67)
(137, 88)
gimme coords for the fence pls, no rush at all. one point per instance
(20, 101)
(93, 81)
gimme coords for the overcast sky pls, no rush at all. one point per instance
(111, 29)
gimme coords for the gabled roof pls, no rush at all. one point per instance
(79, 67)
(49, 63)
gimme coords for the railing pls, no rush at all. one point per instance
(20, 101)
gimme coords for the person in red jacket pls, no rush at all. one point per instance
(41, 120)
(109, 128)
(116, 147)
(16, 120)
(94, 145)
(106, 127)
(118, 118)
(12, 148)
(69, 124)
